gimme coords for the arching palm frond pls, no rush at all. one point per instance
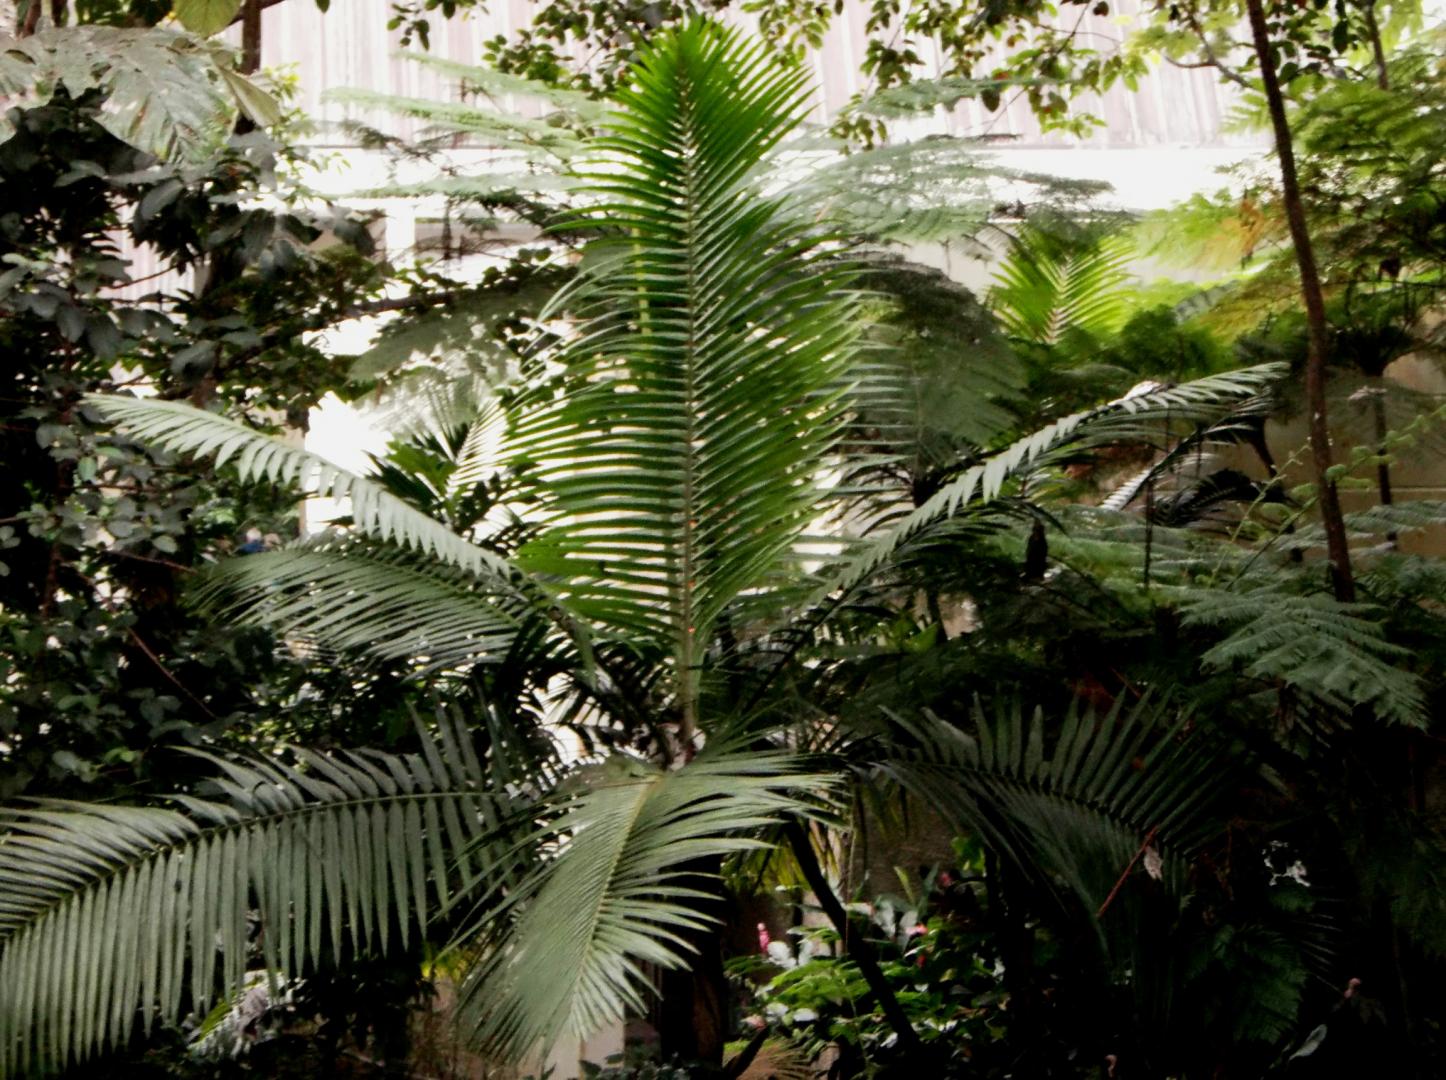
(620, 891)
(115, 918)
(1048, 285)
(376, 512)
(680, 465)
(362, 598)
(409, 588)
(1133, 419)
(1072, 799)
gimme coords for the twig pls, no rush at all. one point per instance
(168, 673)
(1211, 59)
(1120, 884)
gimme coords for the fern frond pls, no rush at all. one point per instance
(534, 139)
(935, 190)
(474, 79)
(1337, 653)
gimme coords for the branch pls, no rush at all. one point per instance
(1145, 846)
(262, 5)
(1211, 60)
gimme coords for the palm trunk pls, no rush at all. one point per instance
(1318, 341)
(693, 999)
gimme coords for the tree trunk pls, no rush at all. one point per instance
(857, 947)
(1318, 341)
(250, 37)
(1383, 469)
(693, 1002)
(1378, 52)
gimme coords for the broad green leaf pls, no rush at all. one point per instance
(206, 17)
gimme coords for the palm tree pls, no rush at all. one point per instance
(674, 453)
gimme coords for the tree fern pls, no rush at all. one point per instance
(933, 190)
(1334, 652)
(941, 384)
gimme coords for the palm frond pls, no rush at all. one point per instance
(359, 598)
(1072, 798)
(619, 891)
(376, 512)
(1048, 286)
(1133, 419)
(680, 464)
(116, 918)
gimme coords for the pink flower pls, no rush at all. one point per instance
(763, 938)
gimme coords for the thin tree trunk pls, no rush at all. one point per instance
(858, 948)
(1383, 469)
(1378, 52)
(250, 37)
(1318, 342)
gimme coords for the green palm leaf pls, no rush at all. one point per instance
(114, 918)
(357, 597)
(621, 891)
(1133, 419)
(376, 512)
(410, 589)
(1069, 799)
(680, 464)
(1049, 285)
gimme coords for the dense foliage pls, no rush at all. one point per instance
(894, 678)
